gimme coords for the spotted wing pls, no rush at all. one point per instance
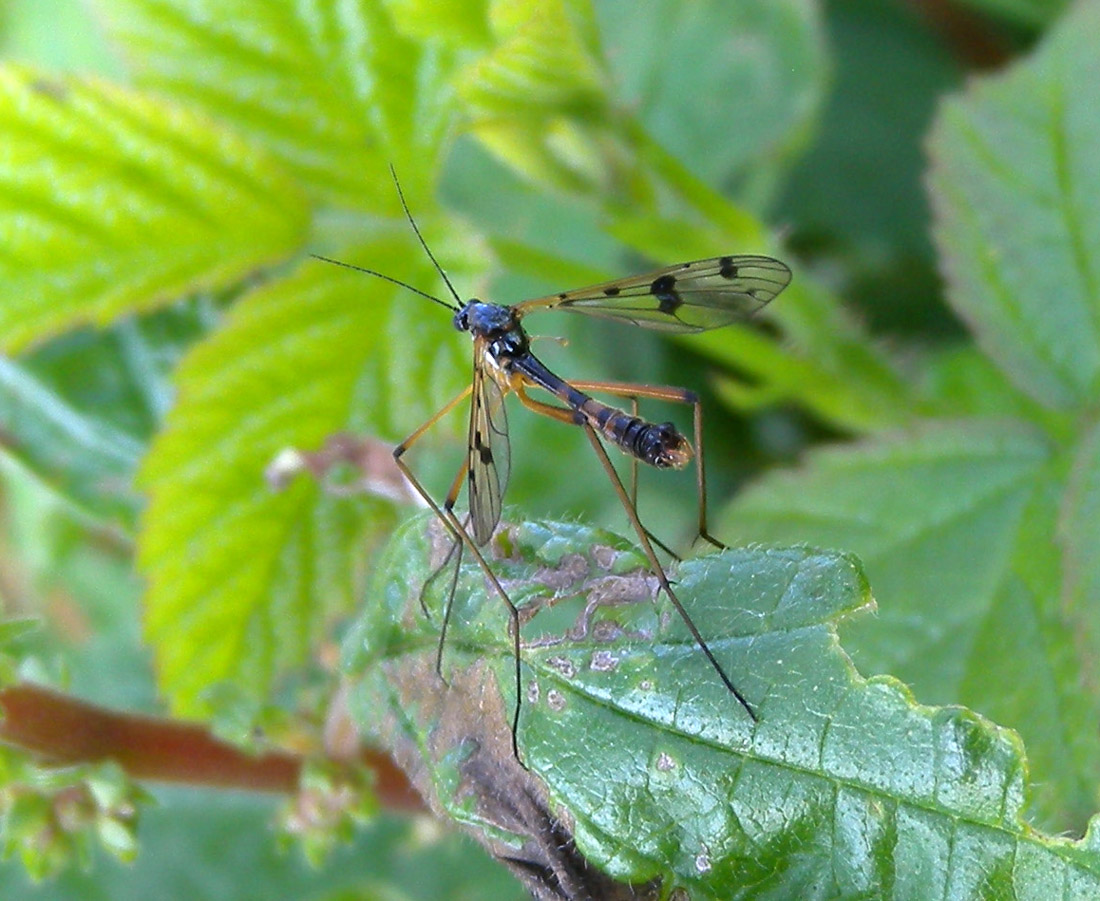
(490, 456)
(687, 297)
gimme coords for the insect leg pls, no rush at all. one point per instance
(701, 475)
(678, 396)
(566, 415)
(632, 515)
(456, 552)
(455, 545)
(399, 451)
(460, 534)
(443, 411)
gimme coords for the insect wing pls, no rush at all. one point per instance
(490, 453)
(688, 297)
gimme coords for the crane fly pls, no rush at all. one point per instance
(681, 299)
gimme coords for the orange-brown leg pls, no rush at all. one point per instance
(639, 529)
(443, 411)
(678, 396)
(566, 415)
(460, 534)
(456, 553)
(399, 451)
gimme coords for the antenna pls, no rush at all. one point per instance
(427, 250)
(420, 237)
(388, 278)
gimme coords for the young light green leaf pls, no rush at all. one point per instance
(465, 24)
(1016, 166)
(538, 98)
(332, 89)
(241, 579)
(546, 59)
(845, 787)
(116, 201)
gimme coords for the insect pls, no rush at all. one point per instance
(685, 298)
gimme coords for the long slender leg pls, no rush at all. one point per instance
(454, 554)
(409, 442)
(632, 515)
(456, 551)
(435, 574)
(678, 396)
(459, 533)
(443, 411)
(567, 415)
(448, 504)
(701, 476)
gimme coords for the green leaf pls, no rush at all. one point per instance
(332, 89)
(116, 201)
(55, 33)
(1030, 664)
(78, 411)
(756, 78)
(464, 24)
(961, 381)
(1016, 167)
(955, 523)
(844, 788)
(537, 98)
(81, 457)
(545, 61)
(1078, 534)
(241, 580)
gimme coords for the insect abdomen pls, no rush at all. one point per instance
(658, 444)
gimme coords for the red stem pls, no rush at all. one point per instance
(62, 730)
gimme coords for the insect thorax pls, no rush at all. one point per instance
(500, 328)
(485, 320)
